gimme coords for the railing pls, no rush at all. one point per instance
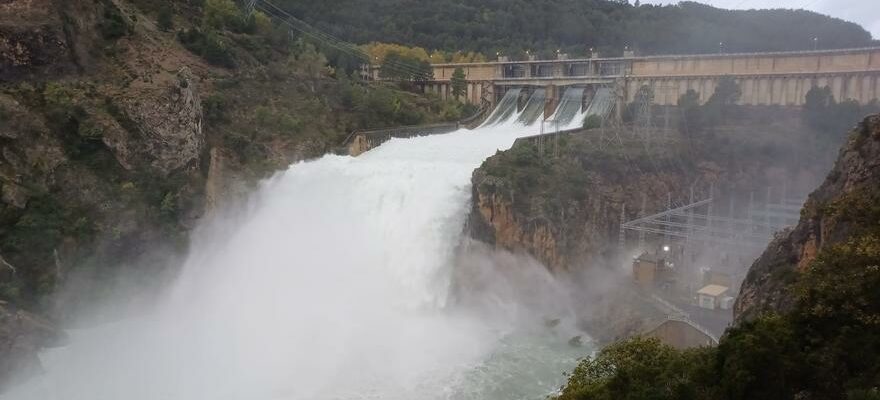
(682, 316)
(360, 141)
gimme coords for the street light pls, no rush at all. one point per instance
(815, 43)
(666, 248)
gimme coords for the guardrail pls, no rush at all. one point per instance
(360, 141)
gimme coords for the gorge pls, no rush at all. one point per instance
(216, 199)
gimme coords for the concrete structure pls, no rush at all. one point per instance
(782, 78)
(649, 271)
(711, 296)
(681, 334)
(644, 272)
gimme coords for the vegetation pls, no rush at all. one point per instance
(823, 113)
(87, 209)
(112, 24)
(574, 26)
(398, 67)
(721, 107)
(825, 347)
(458, 81)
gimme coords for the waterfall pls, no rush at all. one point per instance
(569, 109)
(534, 108)
(333, 283)
(505, 108)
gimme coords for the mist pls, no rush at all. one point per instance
(336, 280)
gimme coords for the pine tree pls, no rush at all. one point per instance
(458, 82)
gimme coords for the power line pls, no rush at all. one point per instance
(330, 40)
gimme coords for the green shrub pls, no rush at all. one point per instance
(113, 24)
(593, 122)
(165, 19)
(221, 14)
(214, 109)
(208, 45)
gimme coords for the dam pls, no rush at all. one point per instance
(777, 79)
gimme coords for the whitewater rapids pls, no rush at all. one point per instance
(333, 283)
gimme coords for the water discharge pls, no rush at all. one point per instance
(334, 283)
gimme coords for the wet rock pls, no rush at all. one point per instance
(22, 335)
(855, 175)
(13, 195)
(169, 126)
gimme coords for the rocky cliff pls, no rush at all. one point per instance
(122, 123)
(845, 206)
(562, 202)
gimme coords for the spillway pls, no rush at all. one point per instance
(333, 283)
(601, 104)
(569, 113)
(506, 108)
(534, 108)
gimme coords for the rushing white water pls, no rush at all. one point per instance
(334, 283)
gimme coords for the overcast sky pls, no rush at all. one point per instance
(863, 12)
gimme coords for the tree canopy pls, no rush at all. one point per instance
(574, 26)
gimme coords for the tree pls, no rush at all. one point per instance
(822, 113)
(723, 101)
(635, 369)
(727, 92)
(165, 19)
(221, 14)
(397, 67)
(309, 64)
(689, 104)
(458, 82)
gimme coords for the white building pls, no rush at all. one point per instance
(710, 296)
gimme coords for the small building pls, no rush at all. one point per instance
(710, 297)
(650, 271)
(727, 302)
(645, 270)
(681, 334)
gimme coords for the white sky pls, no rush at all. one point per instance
(863, 12)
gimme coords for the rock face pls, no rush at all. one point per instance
(22, 334)
(32, 40)
(168, 121)
(853, 183)
(561, 229)
(566, 210)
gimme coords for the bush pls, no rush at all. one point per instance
(165, 20)
(635, 369)
(593, 122)
(113, 24)
(207, 45)
(221, 14)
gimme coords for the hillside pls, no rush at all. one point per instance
(123, 123)
(808, 311)
(513, 26)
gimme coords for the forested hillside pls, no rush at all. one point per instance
(513, 26)
(123, 122)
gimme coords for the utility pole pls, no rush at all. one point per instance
(730, 211)
(622, 236)
(767, 210)
(709, 215)
(686, 253)
(642, 214)
(668, 207)
(751, 206)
